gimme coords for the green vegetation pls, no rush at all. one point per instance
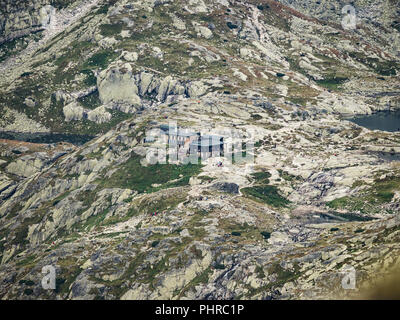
(12, 47)
(21, 234)
(219, 266)
(70, 270)
(155, 243)
(81, 131)
(87, 197)
(267, 194)
(383, 235)
(74, 70)
(287, 176)
(261, 177)
(28, 292)
(132, 175)
(197, 253)
(266, 235)
(159, 204)
(26, 282)
(104, 8)
(59, 198)
(95, 221)
(100, 60)
(28, 261)
(15, 210)
(109, 30)
(384, 68)
(90, 101)
(371, 199)
(332, 83)
(263, 192)
(353, 216)
(241, 232)
(282, 276)
(205, 178)
(61, 4)
(145, 272)
(260, 272)
(91, 79)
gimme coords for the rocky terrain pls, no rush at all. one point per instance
(321, 194)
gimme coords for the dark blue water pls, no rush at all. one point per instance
(382, 120)
(77, 139)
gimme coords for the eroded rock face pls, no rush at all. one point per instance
(119, 85)
(99, 115)
(19, 18)
(31, 164)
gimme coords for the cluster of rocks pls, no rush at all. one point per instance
(119, 84)
(121, 89)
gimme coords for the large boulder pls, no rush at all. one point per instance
(73, 111)
(196, 89)
(227, 187)
(117, 85)
(202, 31)
(99, 115)
(169, 86)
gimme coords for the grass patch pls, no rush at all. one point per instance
(151, 204)
(261, 177)
(91, 101)
(100, 60)
(132, 175)
(384, 68)
(28, 261)
(287, 176)
(109, 30)
(370, 200)
(332, 83)
(283, 275)
(68, 277)
(266, 194)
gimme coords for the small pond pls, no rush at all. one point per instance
(382, 120)
(46, 137)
